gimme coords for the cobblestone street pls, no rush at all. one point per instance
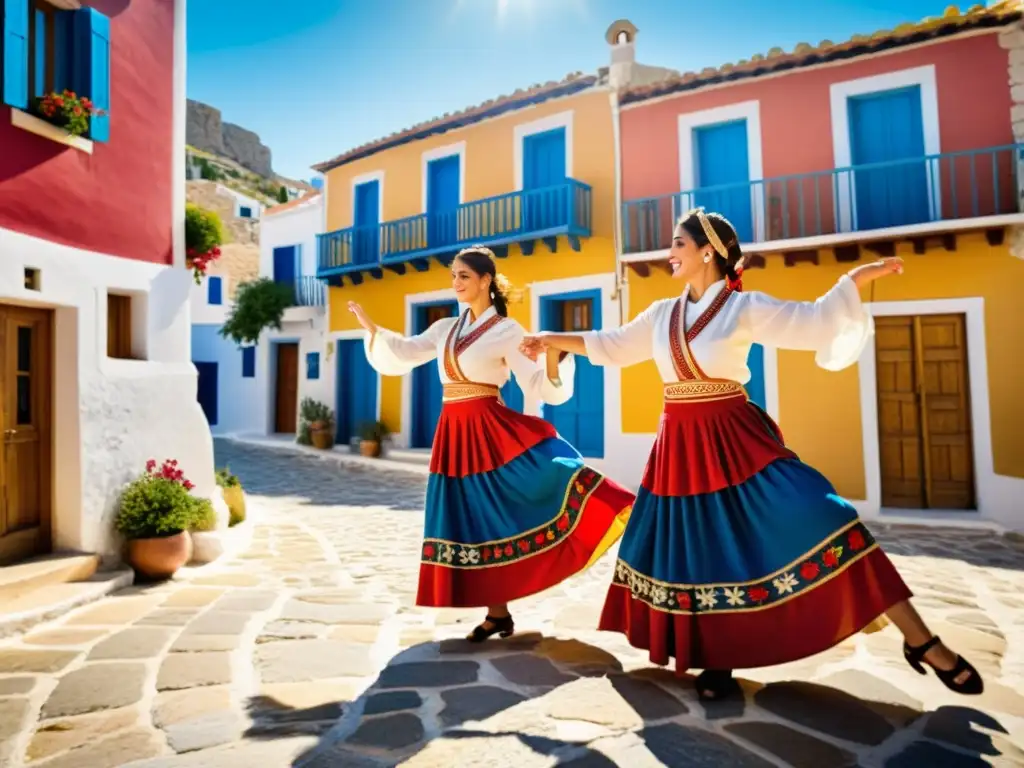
(306, 649)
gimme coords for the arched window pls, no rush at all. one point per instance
(622, 38)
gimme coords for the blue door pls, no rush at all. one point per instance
(443, 201)
(356, 391)
(545, 194)
(581, 420)
(285, 259)
(755, 387)
(887, 128)
(723, 165)
(366, 236)
(426, 382)
(207, 391)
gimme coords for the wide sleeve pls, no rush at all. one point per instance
(392, 354)
(532, 375)
(836, 327)
(626, 345)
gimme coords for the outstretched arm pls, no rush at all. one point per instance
(836, 326)
(392, 354)
(551, 380)
(627, 345)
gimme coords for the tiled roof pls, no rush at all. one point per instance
(536, 94)
(952, 22)
(291, 205)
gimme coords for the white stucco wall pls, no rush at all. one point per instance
(111, 416)
(294, 226)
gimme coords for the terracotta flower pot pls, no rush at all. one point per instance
(321, 439)
(160, 558)
(369, 448)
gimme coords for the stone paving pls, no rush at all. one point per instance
(307, 650)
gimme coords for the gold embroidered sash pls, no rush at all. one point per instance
(455, 346)
(683, 362)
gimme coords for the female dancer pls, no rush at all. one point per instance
(738, 554)
(511, 509)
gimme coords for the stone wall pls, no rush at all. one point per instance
(1012, 40)
(206, 131)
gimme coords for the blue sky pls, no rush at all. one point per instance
(317, 77)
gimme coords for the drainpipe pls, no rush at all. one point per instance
(620, 280)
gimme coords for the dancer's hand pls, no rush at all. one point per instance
(361, 317)
(868, 273)
(532, 346)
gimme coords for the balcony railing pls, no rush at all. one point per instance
(308, 291)
(860, 198)
(563, 209)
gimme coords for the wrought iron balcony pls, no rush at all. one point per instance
(879, 196)
(522, 217)
(308, 291)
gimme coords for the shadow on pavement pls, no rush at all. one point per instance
(454, 704)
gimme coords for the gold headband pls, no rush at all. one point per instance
(710, 234)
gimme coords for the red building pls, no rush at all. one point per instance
(907, 142)
(95, 369)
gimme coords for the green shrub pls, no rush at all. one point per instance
(203, 230)
(259, 304)
(203, 516)
(153, 507)
(227, 480)
(282, 195)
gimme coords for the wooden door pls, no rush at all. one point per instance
(287, 397)
(924, 413)
(25, 414)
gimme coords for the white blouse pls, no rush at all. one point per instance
(486, 361)
(836, 328)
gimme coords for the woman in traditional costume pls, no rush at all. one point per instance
(737, 554)
(511, 508)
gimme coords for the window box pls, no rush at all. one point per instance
(52, 45)
(40, 127)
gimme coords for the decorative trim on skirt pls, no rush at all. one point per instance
(511, 508)
(737, 554)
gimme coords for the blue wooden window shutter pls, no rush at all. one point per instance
(39, 84)
(213, 286)
(90, 73)
(16, 53)
(312, 365)
(248, 362)
(62, 51)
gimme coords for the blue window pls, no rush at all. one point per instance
(248, 362)
(312, 365)
(47, 50)
(245, 212)
(213, 290)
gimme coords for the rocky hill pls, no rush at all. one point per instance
(206, 131)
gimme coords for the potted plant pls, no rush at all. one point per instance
(67, 110)
(234, 496)
(373, 436)
(155, 514)
(205, 547)
(316, 424)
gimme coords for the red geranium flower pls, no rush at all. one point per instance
(809, 570)
(758, 594)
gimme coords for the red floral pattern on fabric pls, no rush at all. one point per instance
(799, 577)
(684, 370)
(462, 555)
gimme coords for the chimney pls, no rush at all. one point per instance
(621, 37)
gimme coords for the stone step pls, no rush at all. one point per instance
(49, 601)
(19, 580)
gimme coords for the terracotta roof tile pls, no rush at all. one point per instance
(522, 97)
(290, 205)
(952, 22)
